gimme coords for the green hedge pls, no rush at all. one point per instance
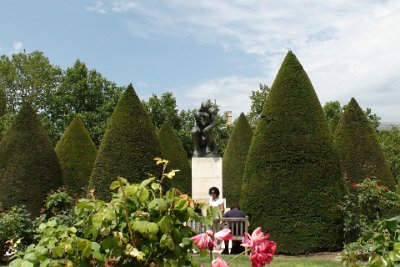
(173, 151)
(128, 147)
(76, 153)
(235, 158)
(359, 151)
(292, 184)
(28, 163)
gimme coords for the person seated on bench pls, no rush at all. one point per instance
(234, 212)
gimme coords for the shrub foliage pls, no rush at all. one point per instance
(28, 163)
(358, 149)
(128, 147)
(292, 184)
(141, 226)
(235, 158)
(172, 149)
(76, 153)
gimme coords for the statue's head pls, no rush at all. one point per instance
(205, 105)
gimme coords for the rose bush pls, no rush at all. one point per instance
(142, 225)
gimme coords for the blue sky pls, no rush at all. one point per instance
(219, 48)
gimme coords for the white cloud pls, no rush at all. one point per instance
(348, 48)
(231, 93)
(17, 47)
(123, 6)
(98, 6)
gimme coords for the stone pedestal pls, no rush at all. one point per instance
(206, 173)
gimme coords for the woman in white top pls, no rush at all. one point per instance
(215, 201)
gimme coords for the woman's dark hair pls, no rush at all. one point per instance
(213, 190)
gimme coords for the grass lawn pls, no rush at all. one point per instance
(282, 261)
(285, 261)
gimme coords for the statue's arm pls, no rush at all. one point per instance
(197, 118)
(212, 124)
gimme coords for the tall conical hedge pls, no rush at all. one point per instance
(172, 150)
(358, 148)
(29, 168)
(128, 147)
(76, 153)
(292, 184)
(235, 158)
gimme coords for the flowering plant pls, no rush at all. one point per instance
(368, 202)
(261, 249)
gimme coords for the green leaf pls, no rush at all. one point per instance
(30, 256)
(180, 204)
(146, 182)
(166, 241)
(26, 264)
(122, 181)
(155, 186)
(58, 252)
(171, 174)
(186, 241)
(114, 185)
(15, 263)
(45, 263)
(143, 194)
(87, 251)
(158, 204)
(95, 246)
(165, 224)
(131, 190)
(109, 243)
(144, 227)
(204, 252)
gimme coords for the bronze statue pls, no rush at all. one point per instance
(204, 143)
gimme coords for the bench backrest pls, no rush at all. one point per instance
(238, 226)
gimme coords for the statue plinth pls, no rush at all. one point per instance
(206, 173)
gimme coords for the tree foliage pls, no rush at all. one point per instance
(390, 142)
(292, 184)
(172, 149)
(128, 147)
(257, 98)
(358, 149)
(28, 77)
(57, 94)
(235, 158)
(76, 153)
(333, 111)
(27, 161)
(85, 92)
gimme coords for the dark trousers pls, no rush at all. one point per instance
(236, 247)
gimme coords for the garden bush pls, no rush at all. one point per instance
(15, 224)
(141, 226)
(369, 201)
(379, 246)
(172, 148)
(235, 159)
(28, 163)
(358, 149)
(128, 147)
(292, 184)
(76, 153)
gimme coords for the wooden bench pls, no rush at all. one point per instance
(238, 226)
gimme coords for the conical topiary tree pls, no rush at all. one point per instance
(292, 184)
(235, 158)
(128, 147)
(173, 151)
(359, 151)
(76, 153)
(29, 168)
